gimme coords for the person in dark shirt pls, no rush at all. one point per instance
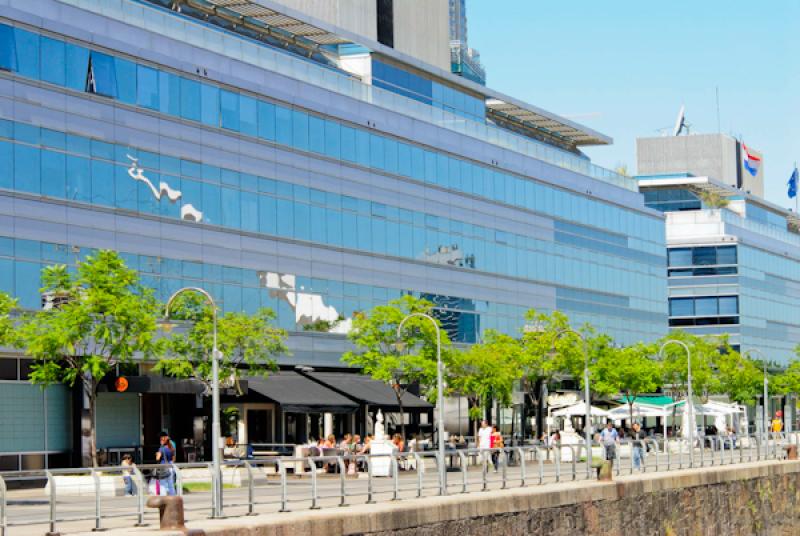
(166, 456)
(637, 445)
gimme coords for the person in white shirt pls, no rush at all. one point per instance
(484, 435)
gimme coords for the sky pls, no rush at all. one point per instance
(625, 67)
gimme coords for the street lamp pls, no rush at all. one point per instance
(766, 391)
(439, 394)
(689, 401)
(215, 426)
(586, 395)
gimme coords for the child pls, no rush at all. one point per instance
(127, 474)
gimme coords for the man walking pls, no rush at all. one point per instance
(609, 438)
(637, 445)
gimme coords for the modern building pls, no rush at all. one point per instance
(263, 153)
(464, 60)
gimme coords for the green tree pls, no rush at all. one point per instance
(101, 317)
(738, 376)
(248, 344)
(486, 371)
(547, 350)
(8, 334)
(788, 381)
(399, 362)
(705, 352)
(630, 371)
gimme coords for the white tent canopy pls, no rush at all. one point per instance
(579, 410)
(639, 410)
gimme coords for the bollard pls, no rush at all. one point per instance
(97, 514)
(605, 472)
(464, 468)
(170, 514)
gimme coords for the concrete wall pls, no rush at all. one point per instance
(742, 500)
(703, 155)
(421, 27)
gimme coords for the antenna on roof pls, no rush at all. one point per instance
(680, 122)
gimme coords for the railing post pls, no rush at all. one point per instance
(314, 491)
(504, 472)
(617, 459)
(97, 515)
(141, 492)
(557, 459)
(342, 478)
(540, 461)
(484, 470)
(441, 470)
(369, 479)
(574, 457)
(179, 481)
(250, 489)
(420, 463)
(464, 470)
(3, 502)
(53, 496)
(395, 475)
(284, 488)
(523, 476)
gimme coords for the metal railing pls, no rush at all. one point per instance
(281, 484)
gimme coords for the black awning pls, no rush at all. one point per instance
(368, 391)
(155, 385)
(297, 394)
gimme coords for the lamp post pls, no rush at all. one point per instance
(215, 426)
(586, 395)
(766, 392)
(689, 401)
(439, 393)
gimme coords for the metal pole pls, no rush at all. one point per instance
(689, 401)
(439, 396)
(764, 421)
(215, 424)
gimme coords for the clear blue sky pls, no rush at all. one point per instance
(624, 68)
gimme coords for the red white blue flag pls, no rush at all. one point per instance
(750, 161)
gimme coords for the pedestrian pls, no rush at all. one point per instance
(637, 445)
(609, 437)
(484, 435)
(127, 474)
(165, 456)
(496, 443)
(777, 422)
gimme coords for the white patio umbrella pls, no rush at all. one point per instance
(579, 410)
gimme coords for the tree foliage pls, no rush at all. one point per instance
(738, 376)
(248, 344)
(629, 371)
(486, 371)
(8, 334)
(704, 351)
(402, 361)
(788, 381)
(102, 317)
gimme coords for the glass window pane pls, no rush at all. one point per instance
(209, 110)
(726, 255)
(53, 60)
(283, 125)
(728, 305)
(27, 45)
(300, 130)
(316, 134)
(266, 120)
(190, 99)
(267, 215)
(348, 148)
(27, 169)
(332, 139)
(103, 79)
(147, 87)
(705, 306)
(77, 66)
(8, 48)
(126, 80)
(248, 116)
(169, 93)
(231, 208)
(680, 257)
(103, 183)
(229, 110)
(53, 174)
(704, 256)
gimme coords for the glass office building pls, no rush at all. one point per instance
(259, 165)
(732, 270)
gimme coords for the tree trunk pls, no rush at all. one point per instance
(90, 386)
(399, 394)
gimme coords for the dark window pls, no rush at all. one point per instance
(8, 51)
(102, 78)
(704, 256)
(9, 463)
(8, 369)
(25, 368)
(386, 22)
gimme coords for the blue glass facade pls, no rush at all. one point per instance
(270, 191)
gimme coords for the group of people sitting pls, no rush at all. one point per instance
(352, 445)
